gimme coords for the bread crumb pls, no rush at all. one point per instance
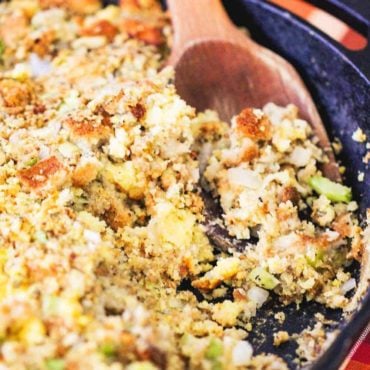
(359, 136)
(337, 146)
(342, 170)
(280, 317)
(280, 337)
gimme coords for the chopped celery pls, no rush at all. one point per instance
(315, 258)
(55, 364)
(263, 278)
(332, 190)
(109, 350)
(31, 162)
(214, 349)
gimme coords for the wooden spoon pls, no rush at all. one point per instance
(218, 67)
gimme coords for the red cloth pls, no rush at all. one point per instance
(359, 357)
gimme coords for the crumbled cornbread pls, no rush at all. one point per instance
(312, 342)
(280, 317)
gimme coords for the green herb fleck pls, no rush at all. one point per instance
(55, 364)
(31, 162)
(109, 350)
(315, 259)
(214, 349)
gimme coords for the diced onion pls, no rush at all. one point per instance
(16, 137)
(92, 237)
(285, 242)
(39, 67)
(242, 353)
(244, 177)
(300, 156)
(263, 278)
(44, 151)
(51, 130)
(348, 285)
(258, 295)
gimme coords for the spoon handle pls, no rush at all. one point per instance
(198, 19)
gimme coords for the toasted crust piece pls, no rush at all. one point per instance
(42, 45)
(204, 284)
(100, 28)
(290, 193)
(39, 108)
(138, 111)
(250, 153)
(256, 128)
(15, 94)
(84, 174)
(135, 5)
(149, 34)
(77, 6)
(37, 175)
(89, 128)
(13, 28)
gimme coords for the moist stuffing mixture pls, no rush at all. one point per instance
(101, 216)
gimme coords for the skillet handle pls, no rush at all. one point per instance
(355, 13)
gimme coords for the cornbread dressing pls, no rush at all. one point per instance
(101, 217)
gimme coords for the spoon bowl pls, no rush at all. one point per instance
(218, 67)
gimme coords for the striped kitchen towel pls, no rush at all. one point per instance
(359, 357)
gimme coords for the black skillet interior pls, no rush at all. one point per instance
(339, 83)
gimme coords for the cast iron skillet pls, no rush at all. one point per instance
(339, 82)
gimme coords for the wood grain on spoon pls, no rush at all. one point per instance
(218, 67)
